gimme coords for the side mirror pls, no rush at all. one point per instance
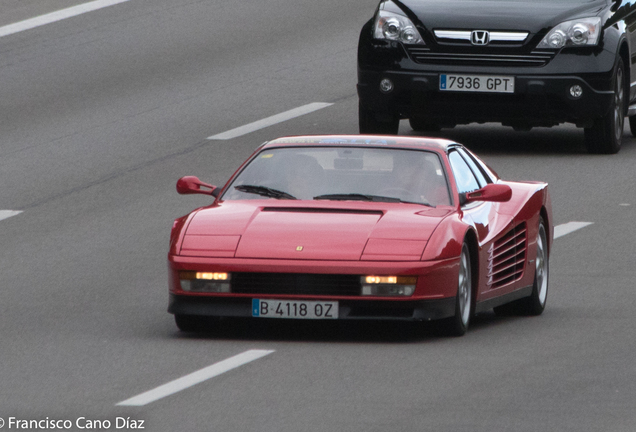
(192, 185)
(491, 192)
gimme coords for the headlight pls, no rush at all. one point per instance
(580, 32)
(205, 282)
(391, 26)
(388, 286)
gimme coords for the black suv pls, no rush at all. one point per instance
(522, 63)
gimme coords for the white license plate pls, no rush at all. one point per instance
(294, 309)
(477, 83)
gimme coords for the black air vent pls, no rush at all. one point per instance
(507, 257)
(320, 210)
(296, 283)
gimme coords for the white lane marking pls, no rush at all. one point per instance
(56, 16)
(269, 121)
(194, 378)
(6, 214)
(567, 228)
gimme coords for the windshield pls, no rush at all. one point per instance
(342, 174)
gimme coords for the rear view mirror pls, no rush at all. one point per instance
(491, 192)
(192, 185)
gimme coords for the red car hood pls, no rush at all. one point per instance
(312, 230)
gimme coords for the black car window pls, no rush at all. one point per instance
(490, 175)
(473, 166)
(466, 181)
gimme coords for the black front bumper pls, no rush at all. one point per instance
(538, 100)
(542, 91)
(423, 310)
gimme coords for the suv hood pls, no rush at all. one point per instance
(511, 15)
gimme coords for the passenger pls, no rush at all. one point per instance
(304, 176)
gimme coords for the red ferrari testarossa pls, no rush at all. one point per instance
(361, 227)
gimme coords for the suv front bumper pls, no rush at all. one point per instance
(538, 100)
(541, 98)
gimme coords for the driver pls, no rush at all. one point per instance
(416, 179)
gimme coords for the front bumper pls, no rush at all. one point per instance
(538, 100)
(541, 98)
(434, 295)
(422, 310)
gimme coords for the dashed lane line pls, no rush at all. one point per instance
(270, 121)
(195, 378)
(5, 214)
(567, 228)
(56, 16)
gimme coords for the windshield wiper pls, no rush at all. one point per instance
(365, 197)
(264, 191)
(355, 197)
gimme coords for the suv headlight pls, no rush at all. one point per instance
(391, 26)
(580, 32)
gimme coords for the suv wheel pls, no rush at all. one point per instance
(606, 135)
(370, 124)
(632, 125)
(423, 125)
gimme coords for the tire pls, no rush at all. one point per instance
(369, 123)
(457, 325)
(632, 125)
(422, 125)
(535, 303)
(606, 135)
(189, 323)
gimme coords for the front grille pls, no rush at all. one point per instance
(507, 257)
(296, 283)
(480, 38)
(426, 56)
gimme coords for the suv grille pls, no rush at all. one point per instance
(296, 283)
(425, 56)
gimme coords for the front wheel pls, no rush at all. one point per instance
(370, 123)
(606, 134)
(457, 325)
(632, 125)
(189, 323)
(422, 125)
(535, 304)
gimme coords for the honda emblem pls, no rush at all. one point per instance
(480, 37)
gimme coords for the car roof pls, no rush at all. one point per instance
(416, 143)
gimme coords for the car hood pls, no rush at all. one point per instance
(312, 231)
(511, 15)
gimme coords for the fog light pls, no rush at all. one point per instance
(212, 282)
(576, 91)
(386, 85)
(388, 286)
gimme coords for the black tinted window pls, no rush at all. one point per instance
(466, 181)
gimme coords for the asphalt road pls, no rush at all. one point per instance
(100, 114)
